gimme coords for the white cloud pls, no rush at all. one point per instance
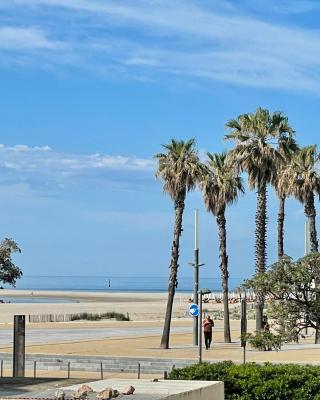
(17, 38)
(48, 170)
(23, 157)
(213, 41)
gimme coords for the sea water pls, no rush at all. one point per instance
(117, 284)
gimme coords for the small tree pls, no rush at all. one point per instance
(9, 272)
(292, 292)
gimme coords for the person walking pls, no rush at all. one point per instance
(207, 325)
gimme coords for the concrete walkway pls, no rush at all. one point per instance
(46, 336)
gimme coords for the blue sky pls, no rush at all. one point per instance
(89, 91)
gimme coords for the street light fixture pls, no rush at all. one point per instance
(201, 292)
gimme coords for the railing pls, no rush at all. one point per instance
(101, 367)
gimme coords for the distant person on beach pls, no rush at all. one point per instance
(207, 325)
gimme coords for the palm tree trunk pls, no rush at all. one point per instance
(261, 253)
(310, 212)
(173, 282)
(281, 217)
(221, 222)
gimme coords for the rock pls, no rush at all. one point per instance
(59, 394)
(82, 392)
(128, 390)
(87, 388)
(78, 395)
(155, 380)
(105, 394)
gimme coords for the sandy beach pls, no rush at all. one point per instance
(140, 305)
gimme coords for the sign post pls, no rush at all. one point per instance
(19, 331)
(244, 327)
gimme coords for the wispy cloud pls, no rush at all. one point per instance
(23, 157)
(17, 38)
(215, 41)
(42, 167)
(285, 6)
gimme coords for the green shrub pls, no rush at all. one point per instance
(258, 382)
(264, 340)
(99, 317)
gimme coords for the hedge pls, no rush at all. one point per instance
(258, 381)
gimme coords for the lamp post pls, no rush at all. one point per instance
(201, 292)
(306, 252)
(196, 273)
(196, 266)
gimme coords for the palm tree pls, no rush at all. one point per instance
(179, 169)
(287, 147)
(256, 136)
(303, 182)
(221, 185)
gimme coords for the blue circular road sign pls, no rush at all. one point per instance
(193, 310)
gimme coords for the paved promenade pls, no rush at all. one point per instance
(56, 335)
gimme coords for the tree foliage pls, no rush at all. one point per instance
(178, 167)
(9, 272)
(292, 288)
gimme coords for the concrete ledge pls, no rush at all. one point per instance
(163, 389)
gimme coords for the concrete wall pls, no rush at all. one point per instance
(212, 392)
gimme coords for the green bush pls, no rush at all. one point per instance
(264, 340)
(99, 317)
(258, 381)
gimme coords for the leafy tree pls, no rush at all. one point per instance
(293, 294)
(9, 272)
(256, 136)
(179, 168)
(221, 185)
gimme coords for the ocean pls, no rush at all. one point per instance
(117, 284)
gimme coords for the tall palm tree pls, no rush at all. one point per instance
(287, 147)
(303, 182)
(256, 136)
(179, 168)
(221, 185)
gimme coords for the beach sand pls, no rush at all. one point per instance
(140, 306)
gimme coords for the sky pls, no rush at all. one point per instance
(90, 89)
